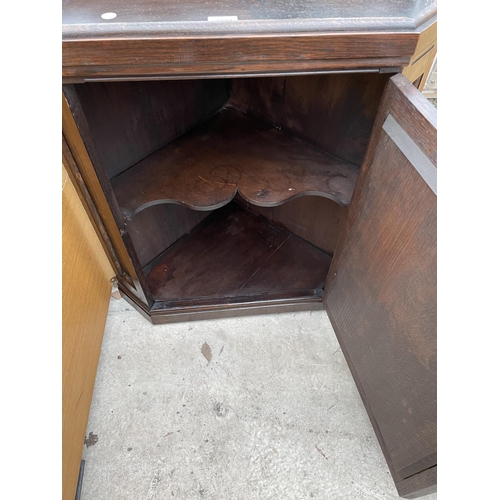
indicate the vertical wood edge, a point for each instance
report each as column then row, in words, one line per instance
column 90, row 178
column 412, row 152
column 84, row 163
column 405, row 90
column 353, row 208
column 82, row 191
column 397, row 87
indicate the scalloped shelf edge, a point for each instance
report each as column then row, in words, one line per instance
column 233, row 153
column 129, row 215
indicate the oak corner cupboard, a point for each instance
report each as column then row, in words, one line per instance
column 240, row 158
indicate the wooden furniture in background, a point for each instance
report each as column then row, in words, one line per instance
column 276, row 162
column 422, row 61
column 430, row 89
column 86, row 291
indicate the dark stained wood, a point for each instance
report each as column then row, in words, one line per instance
column 184, row 55
column 180, row 17
column 205, row 168
column 423, row 483
column 410, row 109
column 130, row 120
column 315, row 219
column 414, row 112
column 251, row 49
column 234, row 70
column 259, row 97
column 335, row 113
column 81, row 143
column 153, row 230
column 86, row 173
column 381, row 289
column 151, row 38
column 225, row 309
column 90, row 208
column 236, row 253
column 251, row 298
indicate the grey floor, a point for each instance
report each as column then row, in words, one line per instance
column 262, row 407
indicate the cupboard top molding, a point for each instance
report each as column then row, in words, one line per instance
column 153, row 39
column 82, row 18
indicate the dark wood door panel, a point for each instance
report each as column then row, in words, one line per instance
column 418, row 485
column 381, row 291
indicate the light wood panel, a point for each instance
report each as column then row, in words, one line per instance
column 86, row 289
column 422, row 60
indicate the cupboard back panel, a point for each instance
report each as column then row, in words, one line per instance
column 313, row 218
column 156, row 228
column 130, row 120
column 334, row 113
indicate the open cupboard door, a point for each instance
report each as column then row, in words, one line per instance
column 381, row 288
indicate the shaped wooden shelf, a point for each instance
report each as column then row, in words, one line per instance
column 237, row 255
column 205, row 168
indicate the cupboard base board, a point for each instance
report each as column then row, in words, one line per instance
column 196, row 313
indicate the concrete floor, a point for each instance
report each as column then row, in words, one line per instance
column 262, row 407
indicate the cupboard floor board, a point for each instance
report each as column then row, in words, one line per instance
column 237, row 253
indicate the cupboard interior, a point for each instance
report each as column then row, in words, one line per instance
column 232, row 190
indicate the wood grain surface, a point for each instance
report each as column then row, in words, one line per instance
column 209, row 71
column 153, row 230
column 232, row 152
column 334, row 113
column 85, row 172
column 180, row 17
column 271, row 303
column 315, row 219
column 235, row 253
column 423, row 483
column 421, row 62
column 130, row 120
column 91, row 169
column 381, row 289
column 211, row 55
column 86, row 289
